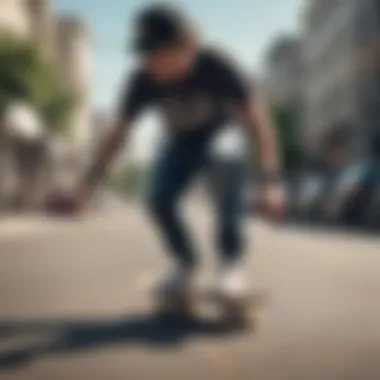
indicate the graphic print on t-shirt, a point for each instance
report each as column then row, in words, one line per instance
column 202, row 102
column 186, row 113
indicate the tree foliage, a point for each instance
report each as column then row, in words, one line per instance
column 288, row 134
column 26, row 75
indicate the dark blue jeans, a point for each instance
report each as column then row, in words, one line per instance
column 177, row 167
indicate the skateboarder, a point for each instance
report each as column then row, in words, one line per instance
column 198, row 91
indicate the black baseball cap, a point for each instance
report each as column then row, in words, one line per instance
column 157, row 27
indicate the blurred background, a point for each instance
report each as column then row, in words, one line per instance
column 316, row 66
column 315, row 63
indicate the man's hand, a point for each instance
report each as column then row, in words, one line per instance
column 255, row 118
column 103, row 159
column 272, row 201
column 83, row 199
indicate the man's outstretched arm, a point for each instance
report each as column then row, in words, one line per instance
column 134, row 97
column 255, row 118
column 104, row 158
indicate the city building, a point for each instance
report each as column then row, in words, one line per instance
column 14, row 16
column 66, row 43
column 284, row 64
column 342, row 81
column 74, row 59
column 41, row 22
column 29, row 18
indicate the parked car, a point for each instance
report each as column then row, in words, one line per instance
column 371, row 215
column 309, row 195
column 353, row 196
column 370, row 191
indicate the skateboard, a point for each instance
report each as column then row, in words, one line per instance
column 209, row 305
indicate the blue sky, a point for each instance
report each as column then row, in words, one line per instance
column 243, row 27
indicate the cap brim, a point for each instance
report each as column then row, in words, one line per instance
column 146, row 47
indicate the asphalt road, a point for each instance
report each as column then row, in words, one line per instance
column 74, row 304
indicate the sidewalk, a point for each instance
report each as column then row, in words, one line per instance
column 16, row 225
column 25, row 225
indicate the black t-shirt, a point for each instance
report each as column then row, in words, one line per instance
column 195, row 106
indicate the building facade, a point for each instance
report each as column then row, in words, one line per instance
column 66, row 43
column 285, row 67
column 29, row 18
column 14, row 16
column 342, row 81
column 74, row 60
column 41, row 23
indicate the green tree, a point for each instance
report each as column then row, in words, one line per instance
column 288, row 134
column 26, row 75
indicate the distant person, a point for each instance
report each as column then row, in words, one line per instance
column 27, row 144
column 199, row 91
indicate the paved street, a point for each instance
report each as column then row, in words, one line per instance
column 74, row 305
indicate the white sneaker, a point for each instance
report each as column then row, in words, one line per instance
column 231, row 281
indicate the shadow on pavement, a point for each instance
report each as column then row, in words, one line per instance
column 56, row 337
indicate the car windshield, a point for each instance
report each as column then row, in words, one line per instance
column 311, row 188
column 351, row 177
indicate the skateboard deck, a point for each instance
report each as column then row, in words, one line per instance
column 208, row 305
